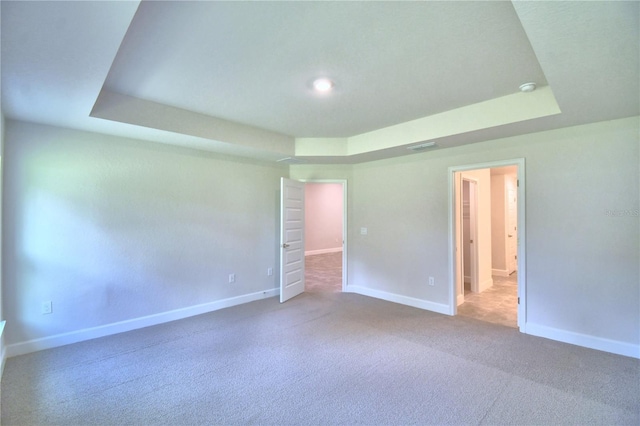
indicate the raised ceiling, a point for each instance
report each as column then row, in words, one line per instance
column 235, row 77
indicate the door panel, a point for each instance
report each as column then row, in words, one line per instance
column 512, row 228
column 291, row 238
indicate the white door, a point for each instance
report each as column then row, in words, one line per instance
column 291, row 239
column 512, row 226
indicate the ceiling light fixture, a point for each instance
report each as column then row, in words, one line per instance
column 322, row 85
column 527, row 87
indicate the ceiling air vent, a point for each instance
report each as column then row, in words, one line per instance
column 291, row 160
column 421, row 146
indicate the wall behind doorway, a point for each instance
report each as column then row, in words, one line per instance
column 323, row 218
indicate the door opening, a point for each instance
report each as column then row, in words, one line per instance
column 469, row 261
column 487, row 242
column 325, row 224
column 324, row 236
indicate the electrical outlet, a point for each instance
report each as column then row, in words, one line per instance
column 46, row 307
column 232, row 278
column 432, row 281
column 364, row 231
column 270, row 271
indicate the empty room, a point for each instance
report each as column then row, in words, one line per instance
column 259, row 212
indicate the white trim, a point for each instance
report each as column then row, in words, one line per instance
column 500, row 272
column 459, row 301
column 398, row 298
column 133, row 324
column 482, row 286
column 323, row 251
column 344, row 223
column 585, row 340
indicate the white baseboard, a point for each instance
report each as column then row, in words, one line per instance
column 398, row 298
column 323, row 251
column 133, row 324
column 587, row 341
column 485, row 285
column 500, row 272
column 459, row 299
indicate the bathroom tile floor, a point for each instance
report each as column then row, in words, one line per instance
column 497, row 304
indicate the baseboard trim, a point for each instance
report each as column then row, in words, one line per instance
column 587, row 341
column 403, row 300
column 323, row 251
column 459, row 299
column 500, row 272
column 485, row 285
column 49, row 342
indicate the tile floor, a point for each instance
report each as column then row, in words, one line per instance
column 497, row 304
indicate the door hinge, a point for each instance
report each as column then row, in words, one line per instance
column 518, row 300
column 518, row 183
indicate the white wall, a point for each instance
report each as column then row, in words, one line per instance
column 323, row 217
column 582, row 263
column 113, row 230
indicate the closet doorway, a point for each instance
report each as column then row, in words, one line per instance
column 487, row 240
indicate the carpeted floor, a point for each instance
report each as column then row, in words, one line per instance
column 323, row 272
column 498, row 304
column 321, row 358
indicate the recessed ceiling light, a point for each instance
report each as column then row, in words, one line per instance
column 528, row 87
column 323, row 85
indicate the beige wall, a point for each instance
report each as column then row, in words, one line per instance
column 582, row 274
column 112, row 230
column 498, row 218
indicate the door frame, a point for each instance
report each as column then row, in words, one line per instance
column 344, row 223
column 521, row 234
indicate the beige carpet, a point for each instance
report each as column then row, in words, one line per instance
column 323, row 272
column 321, row 358
column 498, row 304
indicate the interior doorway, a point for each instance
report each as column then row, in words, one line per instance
column 469, row 254
column 487, row 242
column 325, row 225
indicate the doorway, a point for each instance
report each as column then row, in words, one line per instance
column 469, row 253
column 487, row 278
column 325, row 218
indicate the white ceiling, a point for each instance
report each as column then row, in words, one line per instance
column 234, row 77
